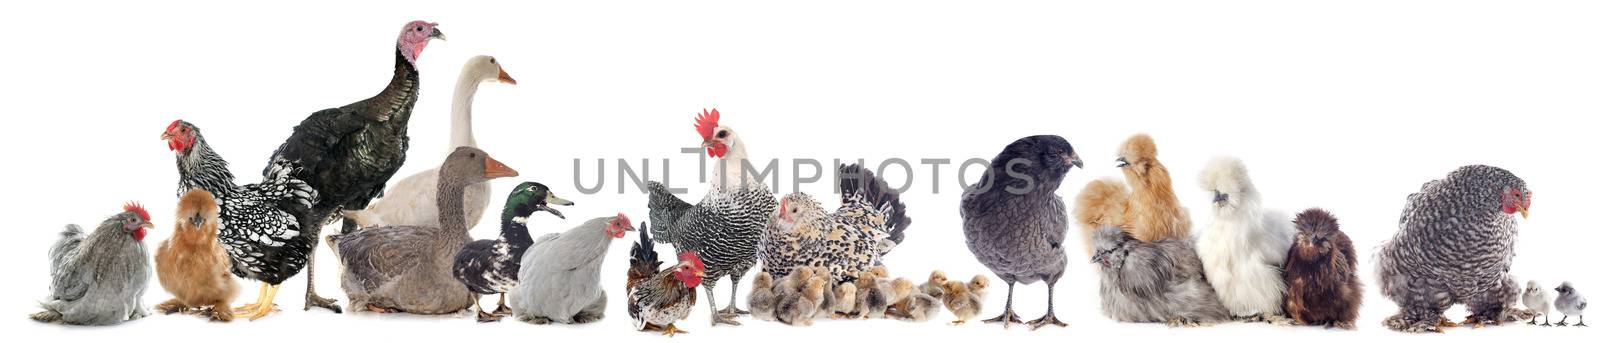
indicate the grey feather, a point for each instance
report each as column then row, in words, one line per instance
column 560, row 275
column 1158, row 282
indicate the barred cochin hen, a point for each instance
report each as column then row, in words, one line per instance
column 256, row 222
column 725, row 227
column 869, row 223
column 1456, row 240
column 348, row 153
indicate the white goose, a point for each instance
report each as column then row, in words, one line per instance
column 411, row 201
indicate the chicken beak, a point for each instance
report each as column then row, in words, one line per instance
column 1075, row 161
column 148, row 225
column 494, row 169
column 699, row 273
column 166, row 136
column 707, row 143
column 506, row 78
column 1122, row 162
column 1218, row 197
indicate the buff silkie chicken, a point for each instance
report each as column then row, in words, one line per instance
column 1456, row 240
column 192, row 265
column 99, row 278
column 869, row 222
column 1244, row 247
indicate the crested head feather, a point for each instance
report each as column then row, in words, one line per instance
column 706, row 123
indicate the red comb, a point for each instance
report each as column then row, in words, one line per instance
column 623, row 219
column 173, row 125
column 693, row 259
column 706, row 123
column 136, row 208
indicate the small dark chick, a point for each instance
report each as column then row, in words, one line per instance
column 1321, row 273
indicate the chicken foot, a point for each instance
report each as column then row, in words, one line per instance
column 733, row 299
column 1008, row 317
column 264, row 306
column 1049, row 317
column 312, row 299
column 717, row 316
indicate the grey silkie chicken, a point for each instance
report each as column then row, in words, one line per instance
column 1155, row 282
column 560, row 275
column 1015, row 223
column 99, row 278
column 1456, row 240
column 1570, row 303
column 1537, row 301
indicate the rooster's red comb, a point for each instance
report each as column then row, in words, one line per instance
column 174, row 125
column 693, row 259
column 706, row 123
column 623, row 220
column 136, row 208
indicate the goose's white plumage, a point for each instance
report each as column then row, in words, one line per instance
column 411, row 201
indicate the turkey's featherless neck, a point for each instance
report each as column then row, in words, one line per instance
column 205, row 169
column 395, row 100
column 461, row 111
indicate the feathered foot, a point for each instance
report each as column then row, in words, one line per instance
column 46, row 316
column 1347, row 325
column 172, row 306
column 1182, row 323
column 1477, row 321
column 219, row 313
column 1277, row 319
column 1398, row 323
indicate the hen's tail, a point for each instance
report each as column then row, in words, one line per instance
column 859, row 184
column 281, row 184
column 642, row 261
column 71, row 238
column 665, row 209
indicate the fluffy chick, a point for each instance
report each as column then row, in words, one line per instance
column 1537, row 301
column 979, row 285
column 872, row 295
column 961, row 302
column 844, row 300
column 1153, row 210
column 1102, row 202
column 935, row 285
column 921, row 308
column 1321, row 273
column 192, row 265
column 763, row 299
column 1570, row 303
column 900, row 292
column 1244, row 247
column 798, row 308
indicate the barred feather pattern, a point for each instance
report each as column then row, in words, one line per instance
column 724, row 228
column 1455, row 246
column 257, row 228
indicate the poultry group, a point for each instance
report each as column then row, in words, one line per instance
column 406, row 247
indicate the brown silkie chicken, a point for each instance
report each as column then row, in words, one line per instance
column 192, row 265
column 1153, row 210
column 1103, row 202
column 961, row 302
column 1321, row 273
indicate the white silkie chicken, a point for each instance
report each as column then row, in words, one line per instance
column 1244, row 247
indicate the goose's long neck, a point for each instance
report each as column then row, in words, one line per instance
column 461, row 112
column 452, row 216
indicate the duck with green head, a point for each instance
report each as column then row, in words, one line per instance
column 489, row 266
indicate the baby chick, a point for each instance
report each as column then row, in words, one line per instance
column 935, row 285
column 1570, row 303
column 921, row 307
column 763, row 300
column 1537, row 301
column 798, row 308
column 979, row 286
column 844, row 301
column 900, row 292
column 789, row 285
column 872, row 295
column 961, row 302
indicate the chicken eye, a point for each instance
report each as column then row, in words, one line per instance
column 419, row 29
column 722, row 134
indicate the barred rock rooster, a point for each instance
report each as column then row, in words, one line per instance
column 99, row 278
column 1456, row 240
column 257, row 226
column 870, row 222
column 658, row 299
column 350, row 152
column 725, row 227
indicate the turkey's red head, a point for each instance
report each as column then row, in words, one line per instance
column 1516, row 200
column 619, row 226
column 713, row 136
column 135, row 220
column 690, row 269
column 179, row 136
column 415, row 36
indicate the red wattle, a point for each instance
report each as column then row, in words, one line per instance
column 138, row 235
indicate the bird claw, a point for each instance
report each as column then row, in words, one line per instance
column 1008, row 318
column 313, row 300
column 1048, row 319
column 671, row 330
column 502, row 310
column 722, row 318
column 1397, row 323
column 485, row 317
column 733, row 311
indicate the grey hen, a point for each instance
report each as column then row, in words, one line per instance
column 1014, row 222
column 1456, row 240
column 99, row 278
column 1155, row 282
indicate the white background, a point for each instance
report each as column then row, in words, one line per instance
column 1348, row 105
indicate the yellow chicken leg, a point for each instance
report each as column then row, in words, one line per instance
column 251, row 308
column 265, row 307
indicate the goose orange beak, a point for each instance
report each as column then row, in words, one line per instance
column 494, row 169
column 506, row 78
